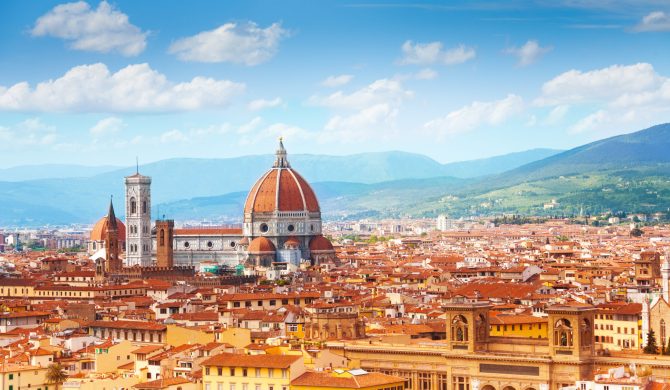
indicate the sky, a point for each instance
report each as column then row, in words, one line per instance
column 99, row 83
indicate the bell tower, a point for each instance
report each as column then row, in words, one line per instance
column 468, row 326
column 112, row 259
column 571, row 331
column 138, row 220
column 164, row 243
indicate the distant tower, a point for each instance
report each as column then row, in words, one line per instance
column 138, row 220
column 164, row 239
column 112, row 259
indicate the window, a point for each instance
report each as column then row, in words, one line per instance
column 220, row 371
column 207, row 386
column 232, row 372
column 144, row 207
column 133, row 206
column 244, row 372
column 284, row 373
column 462, row 383
column 271, row 372
column 206, row 370
column 258, row 373
column 232, row 386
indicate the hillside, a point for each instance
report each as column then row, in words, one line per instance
column 83, row 199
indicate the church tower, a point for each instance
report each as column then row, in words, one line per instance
column 164, row 239
column 112, row 259
column 138, row 220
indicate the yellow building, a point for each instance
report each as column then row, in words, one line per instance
column 352, row 379
column 19, row 377
column 619, row 326
column 229, row 371
column 519, row 325
column 109, row 356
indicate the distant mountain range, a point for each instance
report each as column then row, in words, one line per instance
column 61, row 198
column 629, row 172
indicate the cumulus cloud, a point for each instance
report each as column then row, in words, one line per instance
column 337, row 81
column 173, row 135
column 108, row 125
column 530, row 52
column 475, row 115
column 242, row 43
column 250, row 126
column 590, row 122
column 623, row 96
column 425, row 74
column 360, row 125
column 605, row 84
column 104, row 29
column 380, row 91
column 135, row 88
column 434, row 53
column 261, row 104
column 30, row 132
column 654, row 21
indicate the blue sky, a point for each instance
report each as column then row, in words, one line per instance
column 98, row 83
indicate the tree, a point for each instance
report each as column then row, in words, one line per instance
column 636, row 232
column 651, row 346
column 55, row 374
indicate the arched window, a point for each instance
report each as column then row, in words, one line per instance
column 563, row 333
column 133, row 206
column 585, row 333
column 144, row 206
column 162, row 237
column 459, row 329
column 662, row 332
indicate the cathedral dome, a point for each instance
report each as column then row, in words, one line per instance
column 320, row 243
column 100, row 229
column 261, row 245
column 281, row 189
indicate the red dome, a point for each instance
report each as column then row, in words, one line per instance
column 261, row 245
column 281, row 189
column 320, row 243
column 100, row 229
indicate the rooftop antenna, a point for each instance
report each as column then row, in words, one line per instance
column 137, row 165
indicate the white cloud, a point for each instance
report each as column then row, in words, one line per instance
column 556, row 115
column 242, row 43
column 30, row 132
column 104, row 29
column 337, row 81
column 530, row 52
column 654, row 21
column 261, row 104
column 433, row 53
column 425, row 74
column 476, row 115
column 380, row 91
column 601, row 85
column 108, row 125
column 590, row 122
column 360, row 125
column 173, row 135
column 250, row 126
column 135, row 88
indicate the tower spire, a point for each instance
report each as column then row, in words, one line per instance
column 280, row 156
column 111, row 217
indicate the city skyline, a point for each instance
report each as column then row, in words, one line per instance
column 454, row 82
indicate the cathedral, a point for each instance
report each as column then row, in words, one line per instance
column 281, row 224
